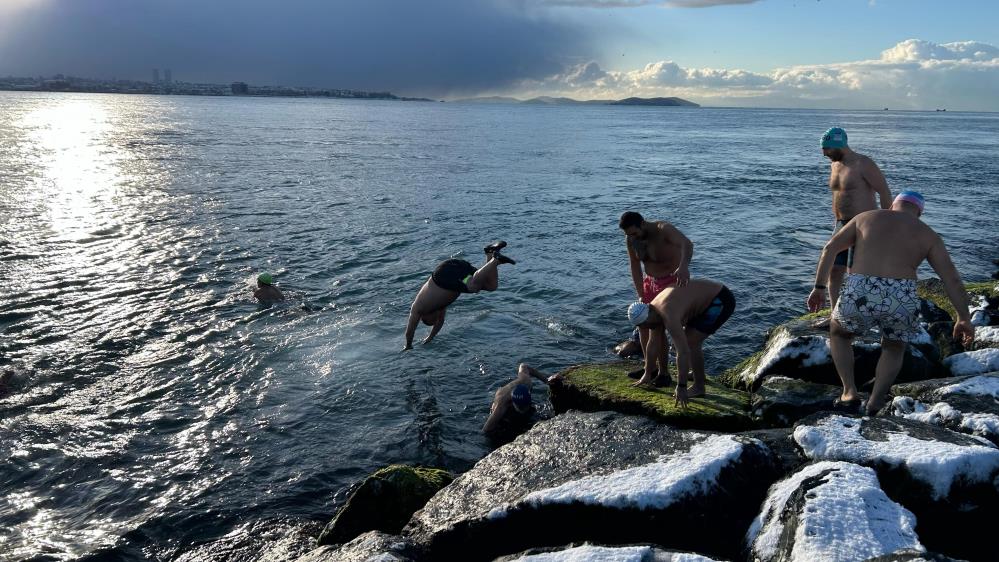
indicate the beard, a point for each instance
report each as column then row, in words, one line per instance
column 836, row 155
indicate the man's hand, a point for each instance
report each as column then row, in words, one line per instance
column 817, row 300
column 426, row 340
column 964, row 332
column 554, row 380
column 682, row 276
column 681, row 396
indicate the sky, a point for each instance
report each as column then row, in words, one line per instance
column 903, row 54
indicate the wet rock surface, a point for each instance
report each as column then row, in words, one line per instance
column 781, row 401
column 603, row 387
column 602, row 477
column 831, row 511
column 384, row 502
column 947, row 479
column 369, row 547
column 798, row 349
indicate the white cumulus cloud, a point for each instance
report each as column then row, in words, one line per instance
column 912, row 74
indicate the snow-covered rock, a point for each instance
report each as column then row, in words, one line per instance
column 602, row 477
column 596, row 553
column 973, row 362
column 781, row 401
column 834, row 512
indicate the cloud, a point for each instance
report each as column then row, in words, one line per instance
column 638, row 3
column 430, row 47
column 912, row 74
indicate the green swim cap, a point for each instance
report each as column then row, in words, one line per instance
column 266, row 278
column 834, row 138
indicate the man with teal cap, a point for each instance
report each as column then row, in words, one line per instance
column 266, row 292
column 854, row 179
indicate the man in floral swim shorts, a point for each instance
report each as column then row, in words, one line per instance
column 880, row 291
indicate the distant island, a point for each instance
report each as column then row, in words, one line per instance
column 61, row 83
column 547, row 100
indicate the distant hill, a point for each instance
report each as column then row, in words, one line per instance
column 548, row 100
column 670, row 102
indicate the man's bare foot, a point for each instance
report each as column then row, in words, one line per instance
column 695, row 391
column 644, row 382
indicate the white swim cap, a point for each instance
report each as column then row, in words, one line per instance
column 638, row 312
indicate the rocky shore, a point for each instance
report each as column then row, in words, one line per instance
column 765, row 468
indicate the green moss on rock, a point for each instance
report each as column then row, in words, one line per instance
column 732, row 377
column 933, row 290
column 598, row 387
column 385, row 501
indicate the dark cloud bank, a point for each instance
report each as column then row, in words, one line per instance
column 424, row 47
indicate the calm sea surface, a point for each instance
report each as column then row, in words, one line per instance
column 150, row 409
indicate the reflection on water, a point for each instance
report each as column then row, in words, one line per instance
column 149, row 406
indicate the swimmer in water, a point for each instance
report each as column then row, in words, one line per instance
column 513, row 400
column 266, row 292
column 449, row 280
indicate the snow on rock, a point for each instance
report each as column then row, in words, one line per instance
column 942, row 414
column 837, row 512
column 988, row 335
column 983, row 385
column 937, row 463
column 594, row 553
column 654, row 485
column 811, row 350
column 973, row 362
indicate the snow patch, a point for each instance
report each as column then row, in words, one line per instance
column 589, row 553
column 936, row 463
column 973, row 362
column 984, row 385
column 813, row 349
column 984, row 425
column 987, row 334
column 655, row 485
column 941, row 413
column 845, row 518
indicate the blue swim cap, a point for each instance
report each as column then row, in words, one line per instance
column 834, row 138
column 521, row 397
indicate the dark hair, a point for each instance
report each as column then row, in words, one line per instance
column 630, row 219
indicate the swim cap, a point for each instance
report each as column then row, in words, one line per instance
column 913, row 197
column 265, row 278
column 638, row 312
column 521, row 397
column 834, row 138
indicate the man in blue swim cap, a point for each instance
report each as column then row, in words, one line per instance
column 514, row 398
column 854, row 179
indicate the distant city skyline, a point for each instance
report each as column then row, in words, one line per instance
column 902, row 54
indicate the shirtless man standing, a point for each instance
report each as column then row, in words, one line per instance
column 448, row 281
column 853, row 179
column 690, row 314
column 664, row 253
column 881, row 289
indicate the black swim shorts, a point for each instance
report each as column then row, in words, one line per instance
column 844, row 258
column 452, row 275
column 716, row 314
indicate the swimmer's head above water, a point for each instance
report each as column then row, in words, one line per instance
column 521, row 398
column 265, row 279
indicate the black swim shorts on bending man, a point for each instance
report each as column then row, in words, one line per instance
column 453, row 275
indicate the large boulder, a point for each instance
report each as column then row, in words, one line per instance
column 973, row 362
column 831, row 511
column 606, row 386
column 602, row 477
column 384, row 502
column 966, row 404
column 781, row 401
column 949, row 480
column 983, row 299
column 598, row 553
column 799, row 350
column 369, row 547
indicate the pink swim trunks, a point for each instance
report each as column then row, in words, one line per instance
column 652, row 286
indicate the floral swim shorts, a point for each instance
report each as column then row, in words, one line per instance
column 889, row 304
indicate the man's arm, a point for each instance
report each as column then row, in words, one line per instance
column 842, row 240
column 636, row 268
column 672, row 235
column 679, row 338
column 414, row 319
column 941, row 263
column 437, row 327
column 496, row 412
column 877, row 181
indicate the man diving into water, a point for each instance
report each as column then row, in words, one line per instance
column 664, row 253
column 451, row 279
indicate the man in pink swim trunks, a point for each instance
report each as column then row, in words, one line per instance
column 659, row 255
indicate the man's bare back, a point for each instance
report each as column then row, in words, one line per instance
column 683, row 303
column 891, row 244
